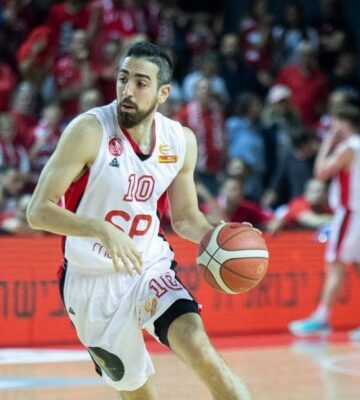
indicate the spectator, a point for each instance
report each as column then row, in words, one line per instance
column 74, row 74
column 199, row 38
column 309, row 86
column 15, row 222
column 290, row 33
column 45, row 136
column 23, row 111
column 337, row 98
column 117, row 20
column 11, row 190
column 8, row 81
column 280, row 115
column 295, row 170
column 209, row 69
column 334, row 33
column 205, row 116
column 89, row 99
column 246, row 141
column 255, row 35
column 231, row 205
column 17, row 19
column 66, row 17
column 36, row 55
column 310, row 210
column 344, row 75
column 11, row 155
column 238, row 76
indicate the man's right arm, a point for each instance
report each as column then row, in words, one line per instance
column 76, row 151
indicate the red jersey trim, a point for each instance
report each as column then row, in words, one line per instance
column 135, row 146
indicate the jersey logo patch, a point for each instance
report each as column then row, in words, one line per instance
column 168, row 159
column 114, row 163
column 116, row 146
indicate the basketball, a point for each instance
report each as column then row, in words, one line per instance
column 233, row 258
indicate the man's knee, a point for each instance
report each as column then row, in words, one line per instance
column 187, row 338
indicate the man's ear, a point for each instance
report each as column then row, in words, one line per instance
column 164, row 93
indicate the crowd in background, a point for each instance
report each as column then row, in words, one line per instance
column 259, row 99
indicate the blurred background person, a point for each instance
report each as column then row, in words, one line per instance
column 11, row 154
column 309, row 211
column 290, row 32
column 246, row 141
column 294, row 171
column 338, row 159
column 205, row 116
column 308, row 84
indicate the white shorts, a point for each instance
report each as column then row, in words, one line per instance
column 344, row 239
column 109, row 311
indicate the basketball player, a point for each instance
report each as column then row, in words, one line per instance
column 339, row 159
column 110, row 168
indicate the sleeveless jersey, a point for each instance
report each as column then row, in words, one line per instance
column 344, row 190
column 124, row 188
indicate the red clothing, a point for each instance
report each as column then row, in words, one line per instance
column 40, row 33
column 63, row 23
column 68, row 75
column 250, row 36
column 307, row 91
column 249, row 211
column 13, row 156
column 23, row 125
column 8, row 82
column 299, row 205
column 208, row 126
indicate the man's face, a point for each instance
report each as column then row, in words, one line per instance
column 137, row 91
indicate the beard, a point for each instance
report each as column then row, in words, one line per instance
column 128, row 120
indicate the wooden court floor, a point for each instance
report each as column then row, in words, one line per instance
column 296, row 371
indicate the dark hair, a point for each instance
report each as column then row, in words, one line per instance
column 302, row 136
column 350, row 113
column 154, row 54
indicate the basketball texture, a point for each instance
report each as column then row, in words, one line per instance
column 233, row 258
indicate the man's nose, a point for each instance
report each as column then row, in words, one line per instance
column 128, row 89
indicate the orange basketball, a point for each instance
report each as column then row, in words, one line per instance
column 233, row 258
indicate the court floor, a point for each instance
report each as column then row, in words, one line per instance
column 281, row 369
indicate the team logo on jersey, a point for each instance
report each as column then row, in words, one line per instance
column 116, row 146
column 164, row 148
column 165, row 156
column 150, row 306
column 114, row 163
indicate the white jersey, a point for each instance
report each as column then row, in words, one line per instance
column 344, row 190
column 123, row 187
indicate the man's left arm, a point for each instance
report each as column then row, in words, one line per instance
column 186, row 218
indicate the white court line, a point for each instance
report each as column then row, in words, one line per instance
column 346, row 364
column 31, row 356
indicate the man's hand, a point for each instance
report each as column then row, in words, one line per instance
column 121, row 249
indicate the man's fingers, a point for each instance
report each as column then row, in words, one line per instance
column 115, row 261
column 137, row 263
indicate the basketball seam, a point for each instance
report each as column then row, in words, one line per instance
column 237, row 274
column 235, row 234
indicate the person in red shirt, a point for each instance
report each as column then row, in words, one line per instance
column 67, row 16
column 231, row 206
column 74, row 74
column 310, row 210
column 309, row 86
column 11, row 155
column 8, row 80
column 36, row 55
column 205, row 116
column 23, row 110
